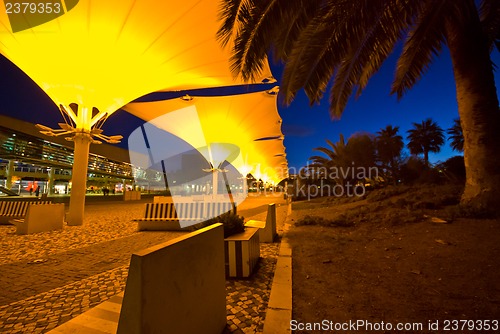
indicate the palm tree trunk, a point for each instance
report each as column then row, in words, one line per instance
column 478, row 108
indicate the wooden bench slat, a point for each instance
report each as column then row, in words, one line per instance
column 17, row 209
column 185, row 211
column 167, row 219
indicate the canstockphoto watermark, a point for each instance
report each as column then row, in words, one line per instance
column 451, row 325
column 339, row 181
column 355, row 325
column 347, row 172
column 173, row 153
column 26, row 14
column 338, row 190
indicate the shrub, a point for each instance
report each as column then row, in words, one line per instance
column 233, row 224
column 311, row 220
column 315, row 220
column 386, row 193
column 453, row 169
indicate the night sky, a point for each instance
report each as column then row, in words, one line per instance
column 304, row 127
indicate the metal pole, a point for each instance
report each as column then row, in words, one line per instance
column 215, row 182
column 10, row 173
column 51, row 185
column 79, row 179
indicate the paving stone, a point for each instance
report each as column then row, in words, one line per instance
column 86, row 265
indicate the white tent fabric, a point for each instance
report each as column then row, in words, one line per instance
column 104, row 54
column 93, row 57
column 242, row 121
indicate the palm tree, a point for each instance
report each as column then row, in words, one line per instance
column 389, row 146
column 424, row 138
column 361, row 151
column 336, row 157
column 456, row 136
column 349, row 160
column 348, row 41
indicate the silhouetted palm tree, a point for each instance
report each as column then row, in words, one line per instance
column 349, row 160
column 424, row 138
column 336, row 156
column 349, row 40
column 456, row 136
column 389, row 146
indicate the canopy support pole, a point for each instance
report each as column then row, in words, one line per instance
column 82, row 142
column 215, row 182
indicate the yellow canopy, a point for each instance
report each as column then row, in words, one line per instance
column 106, row 53
column 249, row 122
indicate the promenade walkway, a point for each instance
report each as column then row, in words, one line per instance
column 49, row 278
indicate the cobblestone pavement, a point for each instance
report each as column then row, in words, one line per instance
column 48, row 278
column 246, row 300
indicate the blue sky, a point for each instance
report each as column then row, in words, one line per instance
column 432, row 97
column 304, row 127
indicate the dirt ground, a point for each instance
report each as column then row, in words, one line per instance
column 383, row 259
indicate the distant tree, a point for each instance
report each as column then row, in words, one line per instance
column 412, row 169
column 456, row 136
column 361, row 150
column 453, row 169
column 361, row 153
column 389, row 146
column 424, row 138
column 336, row 156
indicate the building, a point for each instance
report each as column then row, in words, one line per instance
column 29, row 159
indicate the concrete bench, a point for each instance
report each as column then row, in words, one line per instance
column 179, row 216
column 15, row 209
column 214, row 209
column 41, row 218
column 163, row 199
column 132, row 195
column 267, row 229
column 174, row 287
column 168, row 216
column 192, row 198
column 242, row 252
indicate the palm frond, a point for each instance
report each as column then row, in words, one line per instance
column 372, row 40
column 456, row 136
column 398, row 15
column 332, row 144
column 329, row 153
column 389, row 132
column 233, row 14
column 286, row 38
column 318, row 160
column 375, row 32
column 311, row 61
column 424, row 41
column 319, row 49
column 258, row 34
column 489, row 12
